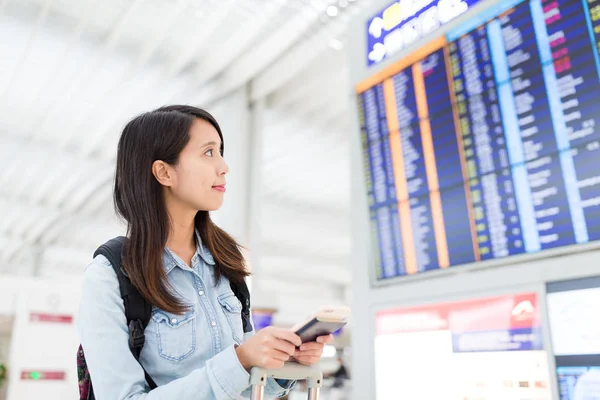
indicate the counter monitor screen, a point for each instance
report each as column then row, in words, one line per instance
column 489, row 348
column 575, row 329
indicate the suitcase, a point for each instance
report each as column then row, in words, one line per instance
column 291, row 371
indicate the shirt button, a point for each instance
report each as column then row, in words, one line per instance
column 174, row 321
column 200, row 292
column 213, row 323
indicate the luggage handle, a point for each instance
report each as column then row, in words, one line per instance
column 290, row 371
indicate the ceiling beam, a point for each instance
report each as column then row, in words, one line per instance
column 27, row 49
column 240, row 39
column 298, row 58
column 70, row 45
column 328, row 62
column 262, row 54
column 78, row 83
column 201, row 38
column 152, row 44
column 3, row 4
column 171, row 72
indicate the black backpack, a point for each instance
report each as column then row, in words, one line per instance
column 138, row 312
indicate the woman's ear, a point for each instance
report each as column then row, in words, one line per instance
column 163, row 173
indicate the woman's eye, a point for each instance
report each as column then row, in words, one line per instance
column 209, row 153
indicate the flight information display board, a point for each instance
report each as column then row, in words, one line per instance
column 575, row 329
column 485, row 142
column 489, row 348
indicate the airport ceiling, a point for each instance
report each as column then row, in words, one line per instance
column 72, row 72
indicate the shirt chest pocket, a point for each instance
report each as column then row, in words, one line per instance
column 176, row 334
column 232, row 308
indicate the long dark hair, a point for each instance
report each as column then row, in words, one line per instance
column 161, row 135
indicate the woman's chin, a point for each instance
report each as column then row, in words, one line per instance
column 210, row 207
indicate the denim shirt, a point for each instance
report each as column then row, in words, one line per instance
column 189, row 356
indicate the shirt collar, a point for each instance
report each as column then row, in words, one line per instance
column 203, row 251
column 170, row 258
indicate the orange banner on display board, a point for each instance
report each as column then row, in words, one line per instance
column 431, row 168
column 410, row 257
column 402, row 64
column 461, row 151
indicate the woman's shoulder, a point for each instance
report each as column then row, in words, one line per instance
column 100, row 272
column 100, row 290
column 100, row 297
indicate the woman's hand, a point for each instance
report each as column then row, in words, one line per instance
column 310, row 353
column 269, row 348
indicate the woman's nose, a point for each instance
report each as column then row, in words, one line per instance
column 224, row 168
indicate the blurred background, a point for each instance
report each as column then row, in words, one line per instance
column 72, row 73
column 432, row 164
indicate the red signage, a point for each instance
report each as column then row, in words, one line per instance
column 501, row 312
column 52, row 318
column 43, row 375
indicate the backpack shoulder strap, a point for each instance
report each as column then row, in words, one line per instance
column 136, row 307
column 137, row 310
column 240, row 289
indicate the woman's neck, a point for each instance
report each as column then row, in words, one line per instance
column 181, row 238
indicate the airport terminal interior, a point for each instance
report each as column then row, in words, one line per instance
column 434, row 165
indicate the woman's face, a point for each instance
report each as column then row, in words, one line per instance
column 199, row 176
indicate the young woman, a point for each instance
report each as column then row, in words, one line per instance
column 170, row 173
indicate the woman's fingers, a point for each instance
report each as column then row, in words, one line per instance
column 327, row 339
column 285, row 334
column 308, row 360
column 312, row 346
column 311, row 352
column 279, row 355
column 283, row 346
